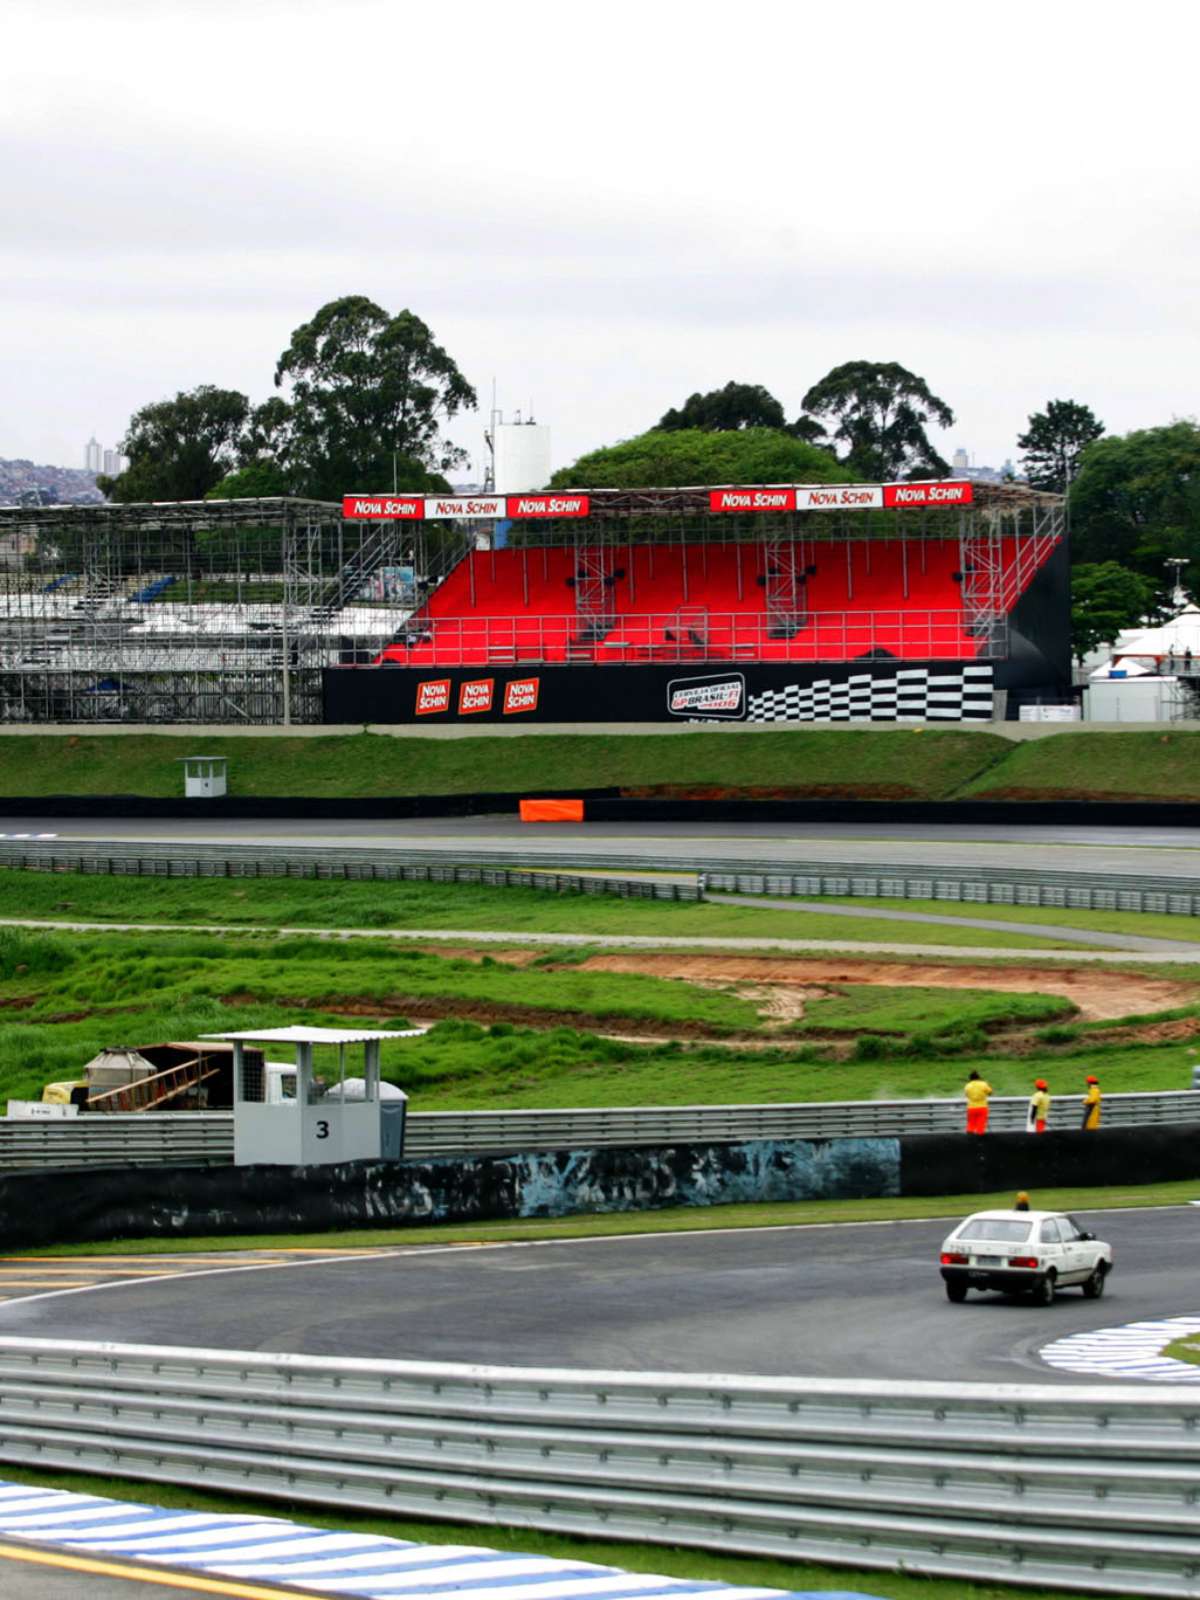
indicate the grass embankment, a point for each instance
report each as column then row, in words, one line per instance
column 665, row 1560
column 270, row 903
column 886, row 764
column 1094, row 766
column 536, row 1041
column 863, row 763
column 1185, row 1349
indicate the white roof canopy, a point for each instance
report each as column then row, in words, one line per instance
column 297, row 1033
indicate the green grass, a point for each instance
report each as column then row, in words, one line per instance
column 1146, row 924
column 1096, row 766
column 666, row 1560
column 675, row 1219
column 894, row 762
column 326, row 903
column 876, row 763
column 860, row 1006
column 1185, row 1349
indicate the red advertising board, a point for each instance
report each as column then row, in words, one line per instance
column 433, row 696
column 927, row 494
column 548, row 505
column 475, row 695
column 520, row 694
column 750, row 499
column 381, row 507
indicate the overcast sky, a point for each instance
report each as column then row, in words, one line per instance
column 602, row 207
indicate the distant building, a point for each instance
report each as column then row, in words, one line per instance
column 112, row 463
column 92, row 456
column 960, row 464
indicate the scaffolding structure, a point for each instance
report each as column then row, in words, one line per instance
column 200, row 612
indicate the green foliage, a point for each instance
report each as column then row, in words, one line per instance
column 258, row 480
column 367, row 387
column 737, row 405
column 879, row 411
column 1105, row 598
column 665, row 459
column 1136, row 499
column 179, row 448
column 1054, row 443
column 934, row 1011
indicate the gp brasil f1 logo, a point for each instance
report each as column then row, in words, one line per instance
column 716, row 696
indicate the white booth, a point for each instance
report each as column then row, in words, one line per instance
column 335, row 1115
column 204, row 776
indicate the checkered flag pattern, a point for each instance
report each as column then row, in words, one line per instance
column 912, row 692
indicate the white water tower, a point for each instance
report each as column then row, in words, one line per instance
column 522, row 456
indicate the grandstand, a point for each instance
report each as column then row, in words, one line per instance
column 871, row 601
column 778, row 603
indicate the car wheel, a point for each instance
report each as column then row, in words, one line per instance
column 1093, row 1284
column 1043, row 1294
column 957, row 1292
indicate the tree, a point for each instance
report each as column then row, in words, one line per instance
column 179, row 448
column 737, row 405
column 881, row 411
column 1054, row 442
column 366, row 387
column 1105, row 598
column 668, row 459
column 1136, row 500
column 257, row 480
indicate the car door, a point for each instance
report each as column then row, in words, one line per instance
column 1051, row 1248
column 1078, row 1253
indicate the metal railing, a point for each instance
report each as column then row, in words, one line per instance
column 1089, row 1487
column 191, row 1138
column 626, row 640
column 672, row 877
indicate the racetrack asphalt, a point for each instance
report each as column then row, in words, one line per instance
column 846, row 1301
column 685, row 845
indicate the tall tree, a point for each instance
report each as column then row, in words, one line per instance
column 879, row 411
column 1105, row 598
column 179, row 448
column 737, row 405
column 1136, row 500
column 1055, row 441
column 367, row 388
column 664, row 459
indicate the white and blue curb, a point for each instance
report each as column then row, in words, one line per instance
column 319, row 1560
column 1132, row 1351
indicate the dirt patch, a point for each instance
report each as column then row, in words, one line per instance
column 425, row 1009
column 1098, row 993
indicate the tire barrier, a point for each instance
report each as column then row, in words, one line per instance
column 1087, row 1488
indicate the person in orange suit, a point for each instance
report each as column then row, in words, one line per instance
column 977, row 1093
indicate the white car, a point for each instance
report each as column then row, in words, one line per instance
column 1024, row 1252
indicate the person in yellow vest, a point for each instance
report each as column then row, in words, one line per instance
column 977, row 1092
column 1091, row 1104
column 1039, row 1108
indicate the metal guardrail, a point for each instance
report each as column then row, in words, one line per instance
column 1064, row 1487
column 437, row 1133
column 676, row 877
column 192, row 1138
column 117, row 1139
column 121, row 858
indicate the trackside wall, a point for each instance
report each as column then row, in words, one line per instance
column 122, row 1202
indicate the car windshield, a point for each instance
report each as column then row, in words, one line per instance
column 999, row 1229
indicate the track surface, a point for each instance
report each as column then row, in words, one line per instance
column 859, row 1301
column 685, row 844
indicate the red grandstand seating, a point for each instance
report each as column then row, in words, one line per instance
column 703, row 601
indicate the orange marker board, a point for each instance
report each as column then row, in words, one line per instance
column 551, row 810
